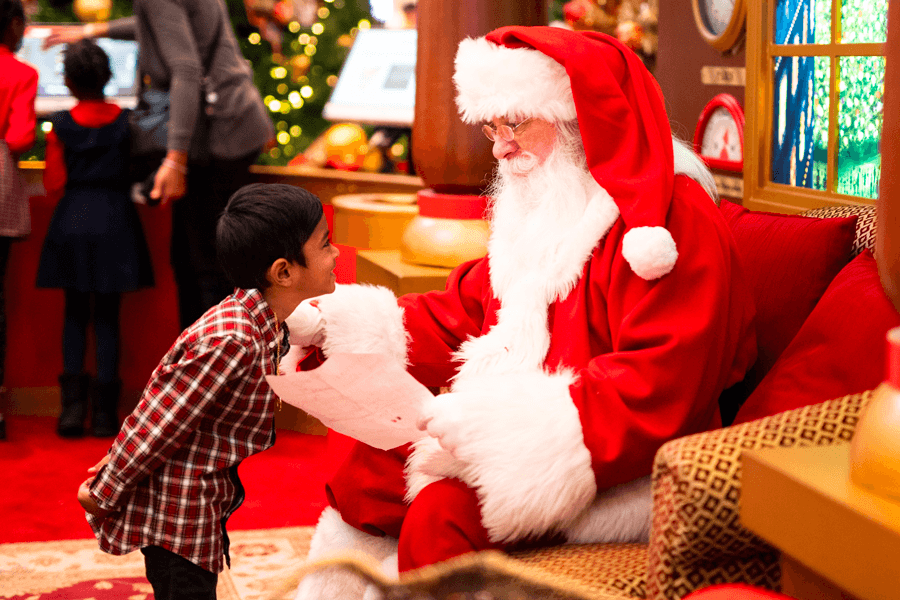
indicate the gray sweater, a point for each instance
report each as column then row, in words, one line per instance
column 177, row 39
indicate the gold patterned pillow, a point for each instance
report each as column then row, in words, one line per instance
column 697, row 539
column 865, row 223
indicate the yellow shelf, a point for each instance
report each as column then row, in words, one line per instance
column 387, row 268
column 802, row 501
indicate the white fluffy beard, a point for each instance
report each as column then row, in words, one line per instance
column 535, row 206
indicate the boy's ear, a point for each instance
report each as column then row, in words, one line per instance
column 279, row 273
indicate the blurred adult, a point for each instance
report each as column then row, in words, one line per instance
column 607, row 318
column 177, row 39
column 18, row 89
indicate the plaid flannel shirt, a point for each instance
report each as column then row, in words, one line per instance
column 171, row 480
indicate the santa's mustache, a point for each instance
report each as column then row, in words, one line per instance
column 520, row 164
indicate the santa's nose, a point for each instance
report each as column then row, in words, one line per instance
column 503, row 149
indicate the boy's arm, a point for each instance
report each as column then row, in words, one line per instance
column 176, row 399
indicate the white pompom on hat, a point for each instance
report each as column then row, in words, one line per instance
column 560, row 75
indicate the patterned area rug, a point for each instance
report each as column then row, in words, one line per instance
column 263, row 563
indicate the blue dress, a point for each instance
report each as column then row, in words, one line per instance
column 95, row 242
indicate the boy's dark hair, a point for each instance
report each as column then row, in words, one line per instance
column 262, row 223
column 86, row 66
column 9, row 10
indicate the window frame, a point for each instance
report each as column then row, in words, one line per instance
column 760, row 192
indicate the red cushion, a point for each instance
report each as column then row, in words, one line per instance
column 789, row 261
column 735, row 591
column 840, row 350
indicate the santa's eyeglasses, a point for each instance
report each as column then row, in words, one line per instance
column 504, row 132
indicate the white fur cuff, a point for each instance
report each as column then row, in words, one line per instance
column 363, row 319
column 524, row 452
column 334, row 536
column 621, row 514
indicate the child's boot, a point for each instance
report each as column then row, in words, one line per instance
column 73, row 397
column 105, row 408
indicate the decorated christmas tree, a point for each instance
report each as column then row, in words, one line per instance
column 297, row 48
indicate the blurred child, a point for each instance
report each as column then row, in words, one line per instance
column 170, row 480
column 18, row 89
column 95, row 247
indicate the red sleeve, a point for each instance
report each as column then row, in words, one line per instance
column 677, row 343
column 438, row 322
column 22, row 119
column 55, row 168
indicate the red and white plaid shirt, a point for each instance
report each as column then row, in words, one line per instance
column 172, row 475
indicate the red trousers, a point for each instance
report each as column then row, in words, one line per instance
column 442, row 522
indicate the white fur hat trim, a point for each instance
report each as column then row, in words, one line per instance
column 650, row 251
column 496, row 81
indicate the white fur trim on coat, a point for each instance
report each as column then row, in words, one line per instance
column 650, row 251
column 620, row 514
column 427, row 463
column 495, row 81
column 519, row 438
column 333, row 536
column 363, row 319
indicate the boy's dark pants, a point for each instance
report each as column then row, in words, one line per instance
column 174, row 576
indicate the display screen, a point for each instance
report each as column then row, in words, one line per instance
column 53, row 95
column 377, row 84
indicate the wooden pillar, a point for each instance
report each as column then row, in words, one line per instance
column 450, row 156
column 888, row 205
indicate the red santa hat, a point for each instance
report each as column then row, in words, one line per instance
column 560, row 75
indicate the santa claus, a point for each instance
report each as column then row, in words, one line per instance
column 607, row 318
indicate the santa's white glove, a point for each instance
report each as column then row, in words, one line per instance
column 306, row 324
column 290, row 360
column 443, row 418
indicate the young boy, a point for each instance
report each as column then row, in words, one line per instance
column 170, row 481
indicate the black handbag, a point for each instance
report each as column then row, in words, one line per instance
column 148, row 124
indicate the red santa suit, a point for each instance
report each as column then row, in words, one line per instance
column 569, row 366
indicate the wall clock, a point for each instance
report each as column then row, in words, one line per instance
column 719, row 137
column 721, row 22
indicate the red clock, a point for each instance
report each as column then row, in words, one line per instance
column 719, row 137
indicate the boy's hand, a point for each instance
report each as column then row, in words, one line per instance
column 84, row 494
column 96, row 468
column 84, row 498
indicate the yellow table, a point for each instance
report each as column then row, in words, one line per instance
column 837, row 540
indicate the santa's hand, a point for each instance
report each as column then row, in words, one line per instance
column 306, row 325
column 438, row 462
column 290, row 360
column 442, row 418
